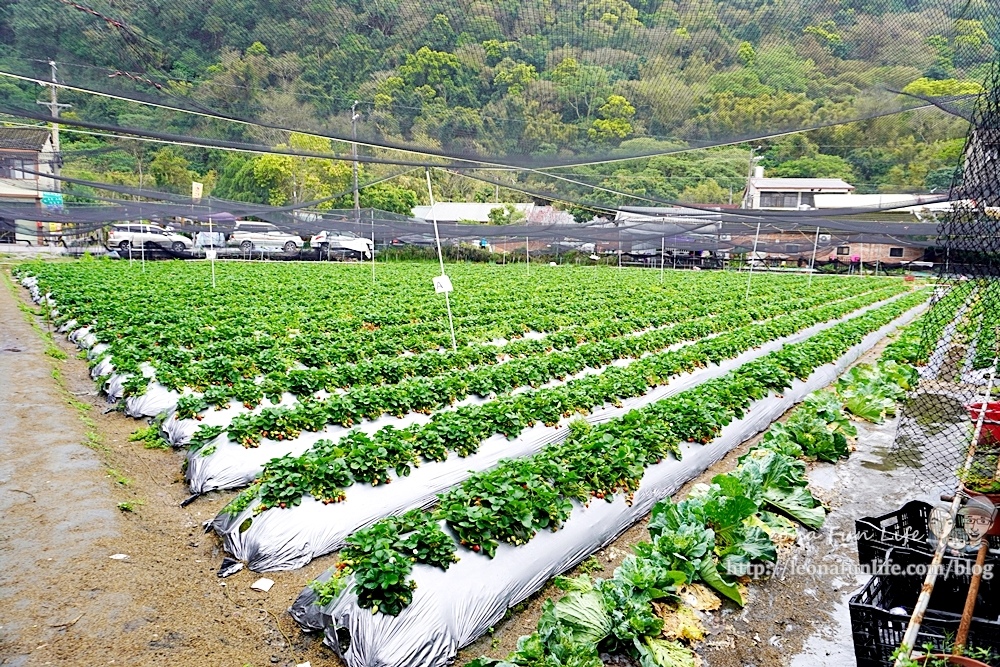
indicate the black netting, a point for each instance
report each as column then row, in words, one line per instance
column 532, row 84
column 940, row 424
column 599, row 108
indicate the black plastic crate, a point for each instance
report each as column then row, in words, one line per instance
column 907, row 527
column 878, row 632
column 952, row 584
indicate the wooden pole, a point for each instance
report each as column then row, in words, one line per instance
column 970, row 599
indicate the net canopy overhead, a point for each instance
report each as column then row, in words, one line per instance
column 532, row 84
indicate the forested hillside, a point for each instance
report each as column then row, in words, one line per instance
column 518, row 82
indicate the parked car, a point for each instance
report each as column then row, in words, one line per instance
column 248, row 235
column 126, row 235
column 343, row 243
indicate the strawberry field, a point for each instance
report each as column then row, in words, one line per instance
column 574, row 400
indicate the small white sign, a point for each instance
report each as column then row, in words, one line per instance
column 263, row 584
column 210, row 253
column 197, row 189
column 442, row 284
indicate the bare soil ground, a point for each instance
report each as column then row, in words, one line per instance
column 65, row 466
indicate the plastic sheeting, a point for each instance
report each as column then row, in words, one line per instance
column 156, row 400
column 450, row 609
column 290, row 538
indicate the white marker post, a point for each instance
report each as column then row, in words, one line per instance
column 812, row 262
column 442, row 284
column 210, row 253
column 663, row 256
column 753, row 258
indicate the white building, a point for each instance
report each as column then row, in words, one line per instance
column 23, row 151
column 454, row 211
column 790, row 194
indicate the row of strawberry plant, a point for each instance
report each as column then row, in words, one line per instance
column 710, row 537
column 512, row 502
column 487, row 379
column 915, row 344
column 327, row 468
column 256, row 324
column 608, row 341
column 986, row 337
column 235, row 360
column 426, row 394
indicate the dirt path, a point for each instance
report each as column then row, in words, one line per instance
column 43, row 471
column 63, row 599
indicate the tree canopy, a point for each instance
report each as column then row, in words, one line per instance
column 540, row 79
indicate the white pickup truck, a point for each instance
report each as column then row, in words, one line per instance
column 343, row 244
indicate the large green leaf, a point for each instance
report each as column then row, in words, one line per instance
column 709, row 572
column 797, row 503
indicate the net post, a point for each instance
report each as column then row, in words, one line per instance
column 753, row 257
column 437, row 239
column 812, row 262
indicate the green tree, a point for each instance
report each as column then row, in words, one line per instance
column 972, row 43
column 816, row 166
column 705, row 192
column 508, row 214
column 512, row 77
column 827, row 35
column 294, row 180
column 615, row 121
column 944, row 63
column 237, row 180
column 615, row 13
column 171, row 171
column 944, row 87
column 746, row 54
column 388, row 197
column 581, row 88
column 443, row 73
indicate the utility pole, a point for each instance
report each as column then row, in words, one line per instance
column 54, row 107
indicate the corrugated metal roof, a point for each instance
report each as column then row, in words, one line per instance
column 800, row 184
column 23, row 138
column 474, row 211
